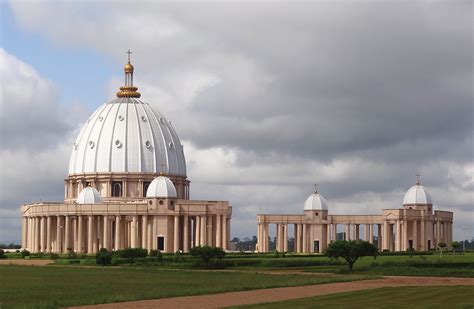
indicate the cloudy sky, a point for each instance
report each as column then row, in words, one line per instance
column 267, row 97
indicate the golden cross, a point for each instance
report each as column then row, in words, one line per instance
column 418, row 178
column 316, row 187
column 129, row 52
column 162, row 164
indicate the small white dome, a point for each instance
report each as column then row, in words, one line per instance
column 417, row 195
column 315, row 202
column 89, row 195
column 161, row 187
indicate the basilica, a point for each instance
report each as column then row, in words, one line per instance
column 126, row 187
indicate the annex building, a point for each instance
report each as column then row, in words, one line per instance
column 126, row 187
column 416, row 225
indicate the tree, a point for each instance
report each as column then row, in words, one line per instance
column 455, row 245
column 207, row 254
column 351, row 251
column 441, row 246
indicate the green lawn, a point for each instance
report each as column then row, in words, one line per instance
column 431, row 265
column 56, row 286
column 406, row 297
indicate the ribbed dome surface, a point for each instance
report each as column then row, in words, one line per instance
column 315, row 202
column 89, row 195
column 417, row 195
column 127, row 135
column 161, row 187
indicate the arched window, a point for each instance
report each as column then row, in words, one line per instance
column 116, row 188
column 145, row 187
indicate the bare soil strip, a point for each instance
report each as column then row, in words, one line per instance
column 280, row 294
column 27, row 262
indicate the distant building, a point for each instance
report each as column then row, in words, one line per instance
column 416, row 225
column 127, row 187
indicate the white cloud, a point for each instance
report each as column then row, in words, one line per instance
column 269, row 99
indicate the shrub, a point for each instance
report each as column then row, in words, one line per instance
column 131, row 253
column 24, row 253
column 207, row 255
column 157, row 254
column 177, row 257
column 2, row 254
column 54, row 256
column 103, row 257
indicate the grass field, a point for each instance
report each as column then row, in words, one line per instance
column 406, row 297
column 57, row 286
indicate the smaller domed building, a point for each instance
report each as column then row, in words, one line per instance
column 416, row 225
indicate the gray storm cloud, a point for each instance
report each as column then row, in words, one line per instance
column 269, row 98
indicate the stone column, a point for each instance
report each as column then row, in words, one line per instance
column 285, row 238
column 219, row 231
column 67, row 233
column 354, row 234
column 415, row 235
column 144, row 231
column 176, row 235
column 134, row 232
column 385, row 243
column 118, row 232
column 357, row 231
column 305, row 239
column 300, row 238
column 423, row 234
column 366, row 232
column 80, row 238
column 380, row 236
column 397, row 236
column 265, row 238
column 405, row 236
column 438, row 232
column 186, row 234
column 42, row 236
column 328, row 234
column 48, row 234
column 89, row 234
column 203, row 230
column 198, row 231
column 334, row 231
column 59, row 236
column 24, row 224
column 347, row 236
column 371, row 234
column 227, row 233
column 106, row 233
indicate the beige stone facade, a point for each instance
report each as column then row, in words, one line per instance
column 167, row 225
column 413, row 226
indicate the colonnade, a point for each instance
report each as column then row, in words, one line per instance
column 89, row 233
column 421, row 235
column 391, row 235
column 323, row 233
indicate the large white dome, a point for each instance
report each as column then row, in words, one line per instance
column 127, row 135
column 417, row 195
column 315, row 202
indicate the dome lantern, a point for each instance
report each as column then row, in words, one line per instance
column 128, row 91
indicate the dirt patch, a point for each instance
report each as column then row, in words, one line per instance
column 281, row 294
column 25, row 262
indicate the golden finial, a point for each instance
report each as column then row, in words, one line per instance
column 128, row 91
